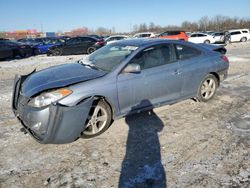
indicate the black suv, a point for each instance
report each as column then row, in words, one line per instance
column 76, row 45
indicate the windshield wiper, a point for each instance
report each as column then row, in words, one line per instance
column 93, row 66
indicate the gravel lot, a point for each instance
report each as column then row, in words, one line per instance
column 188, row 144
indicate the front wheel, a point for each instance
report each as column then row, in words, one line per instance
column 98, row 120
column 207, row 41
column 207, row 88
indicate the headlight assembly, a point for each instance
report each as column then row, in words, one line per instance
column 46, row 98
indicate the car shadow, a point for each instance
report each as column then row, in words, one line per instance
column 142, row 167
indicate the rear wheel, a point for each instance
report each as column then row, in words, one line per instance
column 207, row 88
column 57, row 52
column 243, row 39
column 98, row 120
column 91, row 50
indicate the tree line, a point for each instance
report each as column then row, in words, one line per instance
column 216, row 23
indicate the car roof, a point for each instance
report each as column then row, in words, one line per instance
column 144, row 33
column 199, row 33
column 118, row 36
column 144, row 41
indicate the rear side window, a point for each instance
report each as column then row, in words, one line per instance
column 236, row 33
column 186, row 52
column 201, row 35
column 88, row 39
column 244, row 31
column 145, row 35
column 194, row 35
column 169, row 33
column 218, row 34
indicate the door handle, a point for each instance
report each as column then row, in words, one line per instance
column 177, row 72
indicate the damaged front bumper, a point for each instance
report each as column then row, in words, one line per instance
column 54, row 124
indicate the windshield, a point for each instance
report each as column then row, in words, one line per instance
column 109, row 57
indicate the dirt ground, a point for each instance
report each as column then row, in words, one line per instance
column 188, row 144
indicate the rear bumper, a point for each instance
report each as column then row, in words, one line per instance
column 54, row 124
column 223, row 74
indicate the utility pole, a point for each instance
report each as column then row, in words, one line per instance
column 41, row 27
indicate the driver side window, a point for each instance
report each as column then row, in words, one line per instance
column 73, row 41
column 154, row 56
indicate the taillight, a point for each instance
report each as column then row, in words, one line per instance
column 100, row 42
column 225, row 58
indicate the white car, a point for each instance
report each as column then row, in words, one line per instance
column 219, row 36
column 144, row 35
column 115, row 38
column 239, row 35
column 201, row 38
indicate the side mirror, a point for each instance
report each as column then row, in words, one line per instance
column 132, row 68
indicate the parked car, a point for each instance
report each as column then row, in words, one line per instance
column 18, row 48
column 179, row 35
column 5, row 51
column 144, row 35
column 62, row 103
column 41, row 45
column 76, row 45
column 201, row 38
column 222, row 37
column 239, row 35
column 115, row 38
column 218, row 36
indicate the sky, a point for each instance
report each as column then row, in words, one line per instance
column 64, row 15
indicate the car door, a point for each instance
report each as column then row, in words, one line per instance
column 192, row 69
column 86, row 42
column 193, row 38
column 159, row 80
column 235, row 36
column 201, row 38
column 217, row 37
column 72, row 46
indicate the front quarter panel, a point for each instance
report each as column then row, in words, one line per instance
column 101, row 87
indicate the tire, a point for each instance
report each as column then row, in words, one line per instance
column 207, row 88
column 57, row 52
column 91, row 50
column 243, row 39
column 96, row 125
column 207, row 41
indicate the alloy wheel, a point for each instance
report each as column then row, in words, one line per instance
column 96, row 122
column 208, row 88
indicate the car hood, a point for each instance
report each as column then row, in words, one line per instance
column 58, row 76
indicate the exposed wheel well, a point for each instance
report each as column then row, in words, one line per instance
column 216, row 76
column 98, row 98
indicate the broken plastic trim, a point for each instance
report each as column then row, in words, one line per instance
column 65, row 123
